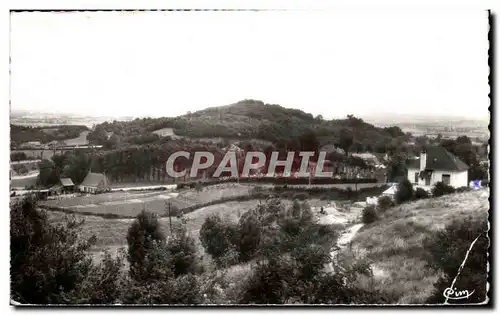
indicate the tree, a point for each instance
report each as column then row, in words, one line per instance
column 217, row 237
column 346, row 140
column 181, row 251
column 384, row 203
column 369, row 214
column 144, row 239
column 249, row 231
column 48, row 175
column 50, row 263
column 405, row 191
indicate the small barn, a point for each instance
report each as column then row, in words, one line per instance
column 94, row 183
column 67, row 184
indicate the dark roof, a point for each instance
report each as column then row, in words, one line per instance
column 438, row 158
column 66, row 182
column 93, row 179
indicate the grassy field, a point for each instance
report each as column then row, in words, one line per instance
column 129, row 204
column 112, row 233
column 394, row 243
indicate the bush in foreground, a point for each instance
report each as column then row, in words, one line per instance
column 143, row 238
column 369, row 214
column 441, row 189
column 421, row 193
column 404, row 192
column 218, row 237
column 384, row 203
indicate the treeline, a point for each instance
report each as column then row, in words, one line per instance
column 148, row 162
column 21, row 134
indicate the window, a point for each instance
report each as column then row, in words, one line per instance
column 416, row 177
column 446, row 179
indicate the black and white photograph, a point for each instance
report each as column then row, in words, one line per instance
column 250, row 157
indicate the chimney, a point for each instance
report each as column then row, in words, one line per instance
column 423, row 159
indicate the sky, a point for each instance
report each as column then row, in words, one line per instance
column 323, row 62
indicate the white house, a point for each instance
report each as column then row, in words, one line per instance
column 436, row 164
column 94, row 183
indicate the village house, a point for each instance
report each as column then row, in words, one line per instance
column 436, row 164
column 94, row 183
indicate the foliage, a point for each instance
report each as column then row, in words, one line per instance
column 218, row 237
column 448, row 249
column 18, row 156
column 181, row 251
column 250, row 233
column 369, row 214
column 20, row 134
column 441, row 189
column 421, row 193
column 384, row 203
column 50, row 264
column 144, row 240
column 404, row 191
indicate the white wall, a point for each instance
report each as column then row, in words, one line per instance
column 411, row 175
column 457, row 179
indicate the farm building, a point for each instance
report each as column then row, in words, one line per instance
column 436, row 164
column 94, row 183
column 67, row 185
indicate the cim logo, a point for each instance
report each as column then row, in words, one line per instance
column 454, row 294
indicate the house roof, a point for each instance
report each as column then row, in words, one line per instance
column 438, row 158
column 93, row 180
column 67, row 182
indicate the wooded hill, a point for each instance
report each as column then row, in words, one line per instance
column 250, row 119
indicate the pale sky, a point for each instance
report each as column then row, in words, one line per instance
column 168, row 63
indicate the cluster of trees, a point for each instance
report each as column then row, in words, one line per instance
column 20, row 134
column 51, row 263
column 18, row 156
column 290, row 252
column 74, row 165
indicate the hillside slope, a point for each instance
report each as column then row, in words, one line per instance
column 393, row 244
column 251, row 119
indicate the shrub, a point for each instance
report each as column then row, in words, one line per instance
column 384, row 203
column 249, row 230
column 181, row 250
column 217, row 237
column 369, row 214
column 181, row 290
column 447, row 250
column 441, row 189
column 143, row 238
column 404, row 192
column 421, row 193
column 462, row 189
